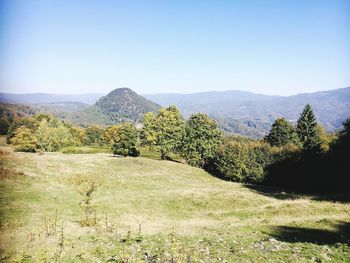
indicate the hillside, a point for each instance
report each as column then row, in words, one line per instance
column 256, row 112
column 157, row 208
column 120, row 105
column 125, row 105
column 239, row 112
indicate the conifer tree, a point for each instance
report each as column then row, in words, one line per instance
column 282, row 133
column 306, row 128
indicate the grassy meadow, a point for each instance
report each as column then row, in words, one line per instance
column 58, row 207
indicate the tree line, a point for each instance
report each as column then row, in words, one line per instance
column 301, row 157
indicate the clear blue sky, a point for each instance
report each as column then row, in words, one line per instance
column 270, row 47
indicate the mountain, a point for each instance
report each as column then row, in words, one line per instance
column 120, row 105
column 254, row 113
column 240, row 112
column 38, row 98
column 125, row 104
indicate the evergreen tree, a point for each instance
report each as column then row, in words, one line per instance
column 201, row 139
column 306, row 128
column 282, row 133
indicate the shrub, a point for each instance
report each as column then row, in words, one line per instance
column 243, row 160
column 52, row 135
column 24, row 140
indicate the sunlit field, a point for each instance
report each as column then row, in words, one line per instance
column 59, row 207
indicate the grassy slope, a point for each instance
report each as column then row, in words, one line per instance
column 177, row 211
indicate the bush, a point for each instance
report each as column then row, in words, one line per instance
column 243, row 160
column 52, row 135
column 24, row 140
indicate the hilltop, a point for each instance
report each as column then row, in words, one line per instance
column 120, row 105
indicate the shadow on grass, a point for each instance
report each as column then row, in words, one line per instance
column 310, row 235
column 281, row 194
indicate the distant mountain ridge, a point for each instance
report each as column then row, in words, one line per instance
column 36, row 98
column 258, row 111
column 236, row 111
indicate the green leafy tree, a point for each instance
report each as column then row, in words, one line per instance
column 201, row 139
column 148, row 135
column 243, row 160
column 94, row 135
column 164, row 131
column 24, row 140
column 306, row 128
column 125, row 140
column 4, row 126
column 282, row 133
column 30, row 123
column 325, row 139
column 52, row 135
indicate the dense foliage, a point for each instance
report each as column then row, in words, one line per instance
column 298, row 159
column 306, row 128
column 282, row 133
column 4, row 126
column 201, row 139
column 125, row 140
column 164, row 131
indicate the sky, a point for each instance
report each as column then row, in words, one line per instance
column 270, row 47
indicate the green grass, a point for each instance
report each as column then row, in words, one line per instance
column 85, row 149
column 168, row 210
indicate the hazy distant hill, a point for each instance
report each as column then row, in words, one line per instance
column 35, row 98
column 237, row 110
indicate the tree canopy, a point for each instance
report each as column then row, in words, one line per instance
column 281, row 133
column 201, row 139
column 306, row 128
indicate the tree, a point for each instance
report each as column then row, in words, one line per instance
column 111, row 134
column 52, row 135
column 325, row 139
column 4, row 126
column 306, row 128
column 242, row 160
column 282, row 133
column 93, row 135
column 201, row 139
column 78, row 134
column 124, row 141
column 148, row 134
column 24, row 140
column 30, row 123
column 165, row 131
